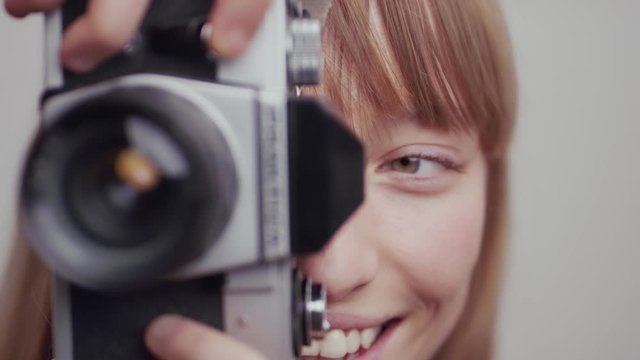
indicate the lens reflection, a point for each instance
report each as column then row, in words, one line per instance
column 119, row 188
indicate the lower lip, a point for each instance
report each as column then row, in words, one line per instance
column 375, row 351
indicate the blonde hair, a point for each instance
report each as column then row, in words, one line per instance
column 25, row 307
column 445, row 62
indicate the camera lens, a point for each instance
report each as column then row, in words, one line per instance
column 117, row 188
column 125, row 186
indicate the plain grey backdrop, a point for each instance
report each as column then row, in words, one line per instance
column 573, row 283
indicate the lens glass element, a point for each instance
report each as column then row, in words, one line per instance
column 125, row 178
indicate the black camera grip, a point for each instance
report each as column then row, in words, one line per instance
column 109, row 326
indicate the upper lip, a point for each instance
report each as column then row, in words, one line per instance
column 344, row 321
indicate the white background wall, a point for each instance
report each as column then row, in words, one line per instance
column 20, row 84
column 573, row 283
column 574, row 279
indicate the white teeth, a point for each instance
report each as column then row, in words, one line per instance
column 334, row 344
column 353, row 341
column 337, row 344
column 311, row 350
column 367, row 336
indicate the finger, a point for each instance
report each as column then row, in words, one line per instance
column 22, row 8
column 101, row 32
column 234, row 23
column 172, row 337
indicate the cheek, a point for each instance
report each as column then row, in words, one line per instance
column 435, row 241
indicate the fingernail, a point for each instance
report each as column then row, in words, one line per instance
column 79, row 63
column 163, row 328
column 229, row 43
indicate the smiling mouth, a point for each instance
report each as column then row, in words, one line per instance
column 346, row 343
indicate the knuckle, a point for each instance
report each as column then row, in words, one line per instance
column 110, row 36
column 14, row 9
column 22, row 8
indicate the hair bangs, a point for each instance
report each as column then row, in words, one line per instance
column 433, row 61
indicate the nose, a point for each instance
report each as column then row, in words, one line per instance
column 349, row 261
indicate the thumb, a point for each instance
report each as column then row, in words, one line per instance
column 173, row 337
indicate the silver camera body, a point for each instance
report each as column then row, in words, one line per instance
column 234, row 193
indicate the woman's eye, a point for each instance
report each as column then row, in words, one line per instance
column 416, row 166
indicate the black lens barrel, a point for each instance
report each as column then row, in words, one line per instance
column 96, row 231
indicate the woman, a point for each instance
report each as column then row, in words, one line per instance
column 429, row 87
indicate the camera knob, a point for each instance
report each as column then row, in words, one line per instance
column 309, row 320
column 304, row 55
column 317, row 324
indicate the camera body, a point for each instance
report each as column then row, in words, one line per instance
column 168, row 181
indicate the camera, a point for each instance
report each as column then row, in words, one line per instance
column 168, row 180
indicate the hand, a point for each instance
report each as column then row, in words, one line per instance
column 108, row 25
column 172, row 337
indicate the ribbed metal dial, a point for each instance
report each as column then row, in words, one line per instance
column 304, row 56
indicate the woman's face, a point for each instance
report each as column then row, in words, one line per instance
column 404, row 260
